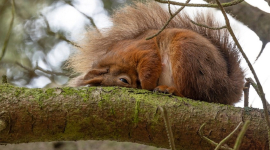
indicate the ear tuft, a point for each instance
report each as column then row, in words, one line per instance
column 95, row 81
column 95, row 72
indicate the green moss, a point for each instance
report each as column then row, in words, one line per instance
column 136, row 112
column 33, row 94
column 112, row 111
column 247, row 110
column 110, row 88
column 18, row 92
column 156, row 116
column 50, row 92
column 68, row 91
column 84, row 95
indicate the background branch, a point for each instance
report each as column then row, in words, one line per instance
column 167, row 23
column 89, row 18
column 41, row 69
column 258, row 21
column 57, row 35
column 3, row 51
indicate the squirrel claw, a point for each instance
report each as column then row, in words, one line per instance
column 167, row 90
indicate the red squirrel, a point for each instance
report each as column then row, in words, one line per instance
column 184, row 59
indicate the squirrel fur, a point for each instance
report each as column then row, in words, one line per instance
column 184, row 59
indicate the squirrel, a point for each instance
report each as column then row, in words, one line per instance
column 184, row 59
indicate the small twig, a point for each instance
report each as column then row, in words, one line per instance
column 260, row 89
column 89, row 18
column 24, row 67
column 8, row 33
column 228, row 137
column 246, row 93
column 204, row 137
column 202, row 5
column 59, row 36
column 254, row 85
column 202, row 25
column 167, row 23
column 168, row 127
column 40, row 69
column 169, row 8
column 241, row 135
column 209, row 140
column 263, row 46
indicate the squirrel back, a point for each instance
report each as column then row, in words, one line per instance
column 185, row 59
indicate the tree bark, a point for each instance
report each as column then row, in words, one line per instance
column 120, row 114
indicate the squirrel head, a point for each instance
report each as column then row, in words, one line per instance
column 111, row 70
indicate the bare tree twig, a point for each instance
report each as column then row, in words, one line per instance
column 201, row 5
column 241, row 135
column 263, row 46
column 254, row 85
column 167, row 23
column 8, row 33
column 228, row 137
column 59, row 36
column 250, row 80
column 169, row 8
column 89, row 18
column 41, row 69
column 209, row 140
column 246, row 93
column 202, row 25
column 168, row 127
column 260, row 89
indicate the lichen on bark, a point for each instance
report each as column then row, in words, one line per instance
column 120, row 114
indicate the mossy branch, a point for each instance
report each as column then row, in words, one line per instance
column 113, row 113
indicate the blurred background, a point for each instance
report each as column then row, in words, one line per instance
column 45, row 32
column 43, row 36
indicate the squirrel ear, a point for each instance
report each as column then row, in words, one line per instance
column 95, row 81
column 95, row 72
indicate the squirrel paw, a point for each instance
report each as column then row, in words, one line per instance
column 167, row 90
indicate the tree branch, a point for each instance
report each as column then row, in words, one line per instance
column 260, row 89
column 259, row 22
column 3, row 51
column 200, row 5
column 41, row 69
column 89, row 18
column 241, row 135
column 120, row 114
column 58, row 35
column 167, row 23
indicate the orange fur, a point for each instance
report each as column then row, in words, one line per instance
column 185, row 60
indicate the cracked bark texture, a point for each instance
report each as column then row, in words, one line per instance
column 256, row 19
column 120, row 114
